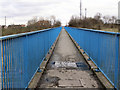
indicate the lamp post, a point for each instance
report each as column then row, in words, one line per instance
column 80, row 9
column 118, row 21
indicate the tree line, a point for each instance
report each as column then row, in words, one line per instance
column 42, row 23
column 97, row 22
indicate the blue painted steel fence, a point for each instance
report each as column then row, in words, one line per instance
column 103, row 48
column 21, row 55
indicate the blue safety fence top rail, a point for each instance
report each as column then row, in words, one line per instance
column 22, row 54
column 103, row 48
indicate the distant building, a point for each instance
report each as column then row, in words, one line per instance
column 16, row 26
column 23, row 25
column 44, row 23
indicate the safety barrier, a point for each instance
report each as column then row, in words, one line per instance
column 22, row 54
column 103, row 48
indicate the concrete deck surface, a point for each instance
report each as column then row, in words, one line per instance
column 67, row 68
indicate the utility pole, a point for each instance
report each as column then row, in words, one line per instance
column 5, row 20
column 85, row 13
column 118, row 16
column 80, row 10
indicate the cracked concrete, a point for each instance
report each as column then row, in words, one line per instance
column 67, row 68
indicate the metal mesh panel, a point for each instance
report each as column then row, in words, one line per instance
column 103, row 48
column 21, row 55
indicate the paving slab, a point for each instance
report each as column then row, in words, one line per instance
column 70, row 83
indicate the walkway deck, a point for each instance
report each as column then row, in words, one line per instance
column 67, row 68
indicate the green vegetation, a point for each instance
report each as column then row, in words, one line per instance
column 111, row 29
column 10, row 31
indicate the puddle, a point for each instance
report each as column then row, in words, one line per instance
column 65, row 64
column 71, row 65
column 53, row 81
column 82, row 66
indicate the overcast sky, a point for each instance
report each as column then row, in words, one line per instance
column 20, row 11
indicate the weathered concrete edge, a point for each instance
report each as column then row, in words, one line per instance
column 104, row 81
column 37, row 76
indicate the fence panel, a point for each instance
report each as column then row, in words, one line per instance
column 103, row 48
column 22, row 54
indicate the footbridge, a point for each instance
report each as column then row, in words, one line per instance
column 60, row 58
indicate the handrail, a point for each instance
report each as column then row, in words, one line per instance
column 97, row 31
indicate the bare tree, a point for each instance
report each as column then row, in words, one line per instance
column 41, row 18
column 113, row 19
column 57, row 23
column 98, row 16
column 99, row 22
column 106, row 19
column 52, row 19
column 32, row 21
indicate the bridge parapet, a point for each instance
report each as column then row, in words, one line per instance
column 103, row 48
column 22, row 54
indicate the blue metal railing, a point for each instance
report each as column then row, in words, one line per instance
column 103, row 48
column 21, row 55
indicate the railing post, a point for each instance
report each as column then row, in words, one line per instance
column 26, row 58
column 99, row 41
column 116, row 61
column 1, row 64
column 119, row 62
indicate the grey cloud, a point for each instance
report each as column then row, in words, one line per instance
column 62, row 9
column 23, row 8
